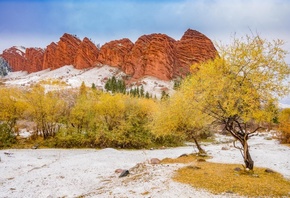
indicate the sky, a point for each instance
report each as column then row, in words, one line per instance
column 37, row 23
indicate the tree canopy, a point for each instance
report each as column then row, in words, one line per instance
column 241, row 86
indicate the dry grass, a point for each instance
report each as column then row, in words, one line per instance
column 184, row 159
column 222, row 178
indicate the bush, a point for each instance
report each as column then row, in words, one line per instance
column 284, row 126
column 169, row 140
column 6, row 137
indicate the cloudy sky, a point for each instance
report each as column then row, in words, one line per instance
column 36, row 23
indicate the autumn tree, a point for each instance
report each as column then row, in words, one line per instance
column 236, row 88
column 83, row 113
column 284, row 125
column 83, row 89
column 46, row 110
column 178, row 116
column 138, row 114
column 12, row 107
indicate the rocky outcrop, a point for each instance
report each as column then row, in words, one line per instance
column 161, row 56
column 87, row 54
column 34, row 59
column 114, row 53
column 25, row 59
column 155, row 55
column 152, row 55
column 49, row 58
column 62, row 53
column 193, row 47
column 15, row 56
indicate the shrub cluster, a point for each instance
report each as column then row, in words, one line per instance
column 284, row 126
column 80, row 118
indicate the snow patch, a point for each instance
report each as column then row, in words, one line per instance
column 74, row 78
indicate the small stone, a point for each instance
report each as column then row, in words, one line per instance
column 225, row 148
column 118, row 170
column 255, row 175
column 237, row 169
column 268, row 170
column 183, row 155
column 8, row 154
column 201, row 160
column 193, row 167
column 124, row 173
column 155, row 161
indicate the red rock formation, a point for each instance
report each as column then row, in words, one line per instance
column 160, row 56
column 113, row 53
column 87, row 54
column 62, row 53
column 15, row 57
column 21, row 59
column 192, row 48
column 34, row 57
column 49, row 57
column 151, row 55
column 155, row 55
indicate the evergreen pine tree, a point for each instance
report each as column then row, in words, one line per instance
column 142, row 92
column 94, row 86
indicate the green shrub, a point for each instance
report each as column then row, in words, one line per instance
column 7, row 138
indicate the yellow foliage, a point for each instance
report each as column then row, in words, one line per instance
column 179, row 115
column 12, row 106
column 284, row 125
column 45, row 109
column 243, row 81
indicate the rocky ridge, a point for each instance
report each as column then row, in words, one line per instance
column 156, row 55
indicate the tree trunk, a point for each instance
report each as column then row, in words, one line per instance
column 247, row 157
column 200, row 150
column 242, row 137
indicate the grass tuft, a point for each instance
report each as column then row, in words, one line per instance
column 184, row 159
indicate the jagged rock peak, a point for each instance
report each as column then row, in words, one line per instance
column 190, row 34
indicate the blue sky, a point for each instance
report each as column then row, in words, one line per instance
column 36, row 23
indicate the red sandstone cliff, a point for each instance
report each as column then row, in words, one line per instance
column 193, row 47
column 34, row 57
column 62, row 53
column 29, row 59
column 152, row 55
column 155, row 55
column 87, row 55
column 15, row 56
column 113, row 53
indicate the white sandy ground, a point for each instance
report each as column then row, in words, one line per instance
column 50, row 173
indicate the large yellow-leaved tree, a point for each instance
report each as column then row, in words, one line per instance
column 239, row 89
